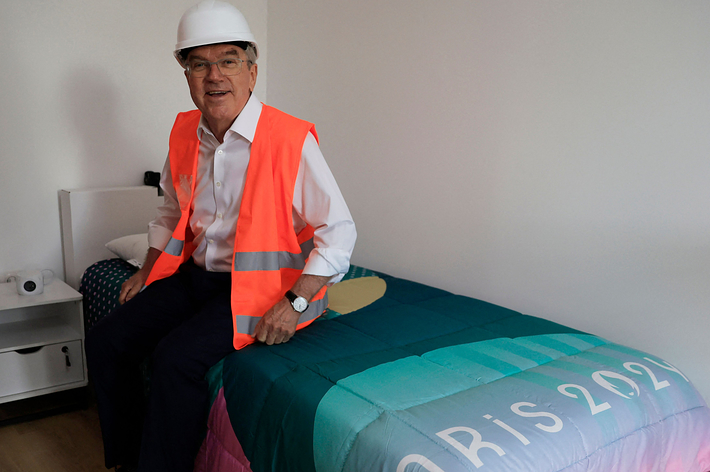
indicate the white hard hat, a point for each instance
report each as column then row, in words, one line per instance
column 212, row 22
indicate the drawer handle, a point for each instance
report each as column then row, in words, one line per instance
column 29, row 350
column 65, row 350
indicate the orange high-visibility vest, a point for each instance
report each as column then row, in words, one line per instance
column 268, row 254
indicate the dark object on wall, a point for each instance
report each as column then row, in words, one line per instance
column 153, row 179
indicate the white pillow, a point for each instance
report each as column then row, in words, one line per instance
column 131, row 249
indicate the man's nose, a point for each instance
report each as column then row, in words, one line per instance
column 215, row 73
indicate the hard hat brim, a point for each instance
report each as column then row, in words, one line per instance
column 226, row 38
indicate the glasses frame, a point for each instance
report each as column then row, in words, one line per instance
column 210, row 63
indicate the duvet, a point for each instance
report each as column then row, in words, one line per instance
column 424, row 380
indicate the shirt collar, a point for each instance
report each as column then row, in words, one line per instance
column 244, row 125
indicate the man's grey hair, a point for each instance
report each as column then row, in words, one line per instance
column 251, row 54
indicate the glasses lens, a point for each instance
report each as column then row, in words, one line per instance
column 198, row 68
column 227, row 66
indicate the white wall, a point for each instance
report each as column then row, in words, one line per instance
column 88, row 95
column 548, row 156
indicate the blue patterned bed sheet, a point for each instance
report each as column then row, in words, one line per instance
column 101, row 286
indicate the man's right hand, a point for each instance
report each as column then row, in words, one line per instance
column 132, row 286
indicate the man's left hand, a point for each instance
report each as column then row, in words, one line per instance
column 278, row 324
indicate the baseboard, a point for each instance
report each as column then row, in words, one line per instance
column 44, row 405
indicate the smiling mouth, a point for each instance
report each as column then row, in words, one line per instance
column 216, row 94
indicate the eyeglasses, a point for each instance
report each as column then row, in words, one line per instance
column 227, row 66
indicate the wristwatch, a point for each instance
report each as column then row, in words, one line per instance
column 299, row 304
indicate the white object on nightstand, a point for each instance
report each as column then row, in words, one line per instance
column 41, row 341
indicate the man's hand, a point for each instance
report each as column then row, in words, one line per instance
column 278, row 324
column 132, row 286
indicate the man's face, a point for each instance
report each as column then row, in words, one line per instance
column 221, row 98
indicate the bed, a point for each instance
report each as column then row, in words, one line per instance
column 400, row 376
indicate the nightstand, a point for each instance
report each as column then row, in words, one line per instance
column 41, row 341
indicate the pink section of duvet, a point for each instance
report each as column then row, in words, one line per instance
column 221, row 451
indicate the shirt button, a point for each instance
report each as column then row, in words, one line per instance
column 218, row 184
column 219, row 215
column 211, row 241
column 220, row 152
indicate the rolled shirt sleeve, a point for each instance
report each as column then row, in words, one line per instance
column 160, row 230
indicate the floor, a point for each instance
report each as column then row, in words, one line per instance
column 64, row 442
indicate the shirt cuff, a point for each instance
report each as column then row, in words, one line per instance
column 158, row 237
column 328, row 262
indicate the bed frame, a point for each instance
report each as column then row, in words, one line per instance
column 92, row 217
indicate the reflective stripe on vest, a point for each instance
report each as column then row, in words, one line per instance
column 174, row 247
column 273, row 260
column 247, row 324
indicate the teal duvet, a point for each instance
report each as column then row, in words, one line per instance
column 424, row 380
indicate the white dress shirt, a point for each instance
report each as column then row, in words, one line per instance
column 221, row 173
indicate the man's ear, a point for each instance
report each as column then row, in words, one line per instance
column 253, row 72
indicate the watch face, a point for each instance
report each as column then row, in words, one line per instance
column 300, row 304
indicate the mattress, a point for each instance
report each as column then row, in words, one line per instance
column 400, row 376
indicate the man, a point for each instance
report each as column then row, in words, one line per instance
column 252, row 231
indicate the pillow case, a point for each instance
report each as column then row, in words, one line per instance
column 132, row 248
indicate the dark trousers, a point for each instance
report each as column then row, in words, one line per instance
column 185, row 321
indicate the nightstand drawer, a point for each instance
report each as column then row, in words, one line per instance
column 42, row 367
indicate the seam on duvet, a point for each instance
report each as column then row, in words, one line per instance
column 509, row 375
column 402, row 420
column 403, row 346
column 222, row 445
column 631, row 433
column 443, row 446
